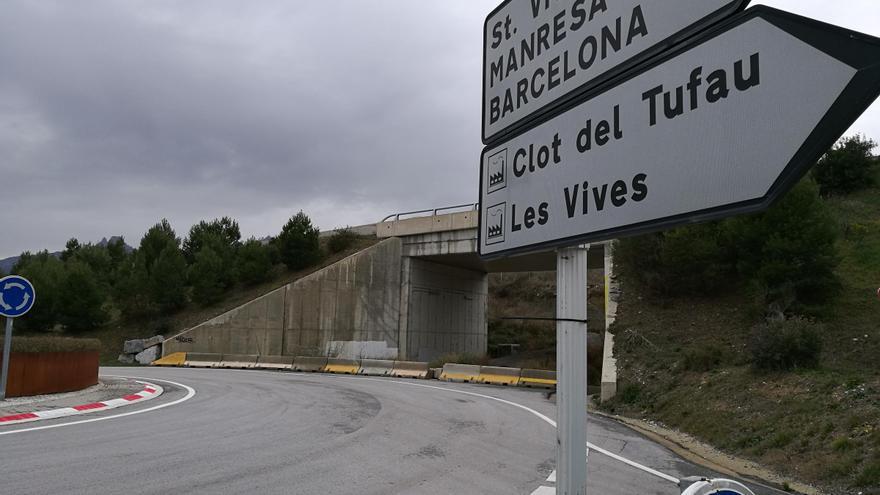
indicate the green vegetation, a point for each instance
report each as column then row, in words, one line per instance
column 847, row 168
column 254, row 262
column 341, row 240
column 786, row 256
column 52, row 344
column 774, row 356
column 298, row 244
column 783, row 345
column 166, row 284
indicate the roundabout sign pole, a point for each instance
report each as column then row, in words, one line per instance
column 17, row 296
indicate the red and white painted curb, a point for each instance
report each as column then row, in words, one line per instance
column 150, row 391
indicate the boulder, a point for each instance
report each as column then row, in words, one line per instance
column 150, row 342
column 133, row 346
column 149, row 355
column 125, row 359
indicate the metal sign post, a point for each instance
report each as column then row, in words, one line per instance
column 17, row 296
column 7, row 345
column 571, row 370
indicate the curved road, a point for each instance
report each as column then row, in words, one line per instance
column 291, row 433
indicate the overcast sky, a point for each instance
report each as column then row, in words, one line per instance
column 117, row 113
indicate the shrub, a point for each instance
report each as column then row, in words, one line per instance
column 848, row 167
column 630, row 393
column 254, row 262
column 298, row 243
column 52, row 344
column 870, row 475
column 702, row 359
column 786, row 345
column 341, row 240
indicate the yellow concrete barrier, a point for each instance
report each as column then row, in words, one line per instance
column 310, row 364
column 538, row 379
column 467, row 373
column 410, row 369
column 275, row 363
column 202, row 360
column 499, row 376
column 176, row 359
column 376, row 367
column 342, row 366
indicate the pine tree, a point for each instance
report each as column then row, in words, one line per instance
column 80, row 298
column 254, row 262
column 298, row 243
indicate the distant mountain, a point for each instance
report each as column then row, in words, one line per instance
column 7, row 264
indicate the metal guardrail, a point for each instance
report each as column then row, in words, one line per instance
column 434, row 212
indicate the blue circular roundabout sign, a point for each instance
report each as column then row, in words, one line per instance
column 17, row 296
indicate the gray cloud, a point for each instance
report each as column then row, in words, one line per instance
column 114, row 114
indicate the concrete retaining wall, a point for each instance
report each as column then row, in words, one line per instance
column 350, row 309
column 384, row 303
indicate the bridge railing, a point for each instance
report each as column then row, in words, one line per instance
column 432, row 212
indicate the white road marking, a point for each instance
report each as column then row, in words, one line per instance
column 544, row 490
column 190, row 393
column 549, row 421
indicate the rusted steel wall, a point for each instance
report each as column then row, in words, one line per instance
column 50, row 372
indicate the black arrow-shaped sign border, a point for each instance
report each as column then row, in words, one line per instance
column 731, row 8
column 858, row 50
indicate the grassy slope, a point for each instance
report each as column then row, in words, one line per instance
column 114, row 334
column 820, row 426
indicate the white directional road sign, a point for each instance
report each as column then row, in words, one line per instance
column 721, row 125
column 538, row 53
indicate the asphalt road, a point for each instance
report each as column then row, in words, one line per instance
column 288, row 433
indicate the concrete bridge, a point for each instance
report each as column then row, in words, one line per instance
column 420, row 292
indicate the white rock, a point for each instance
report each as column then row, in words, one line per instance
column 149, row 355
